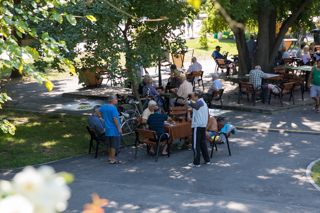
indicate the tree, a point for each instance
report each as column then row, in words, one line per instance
column 242, row 15
column 14, row 22
column 120, row 29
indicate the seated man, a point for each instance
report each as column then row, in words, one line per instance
column 156, row 123
column 285, row 53
column 194, row 67
column 174, row 79
column 149, row 90
column 255, row 77
column 95, row 121
column 216, row 84
column 217, row 55
column 148, row 111
column 212, row 127
column 299, row 52
column 143, row 83
column 184, row 90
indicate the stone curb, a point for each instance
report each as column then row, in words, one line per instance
column 308, row 173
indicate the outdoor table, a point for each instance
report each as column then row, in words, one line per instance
column 305, row 69
column 180, row 130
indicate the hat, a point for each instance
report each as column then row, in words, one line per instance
column 173, row 66
column 152, row 103
column 176, row 73
column 182, row 75
column 218, row 47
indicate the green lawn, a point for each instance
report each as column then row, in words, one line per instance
column 227, row 45
column 41, row 138
column 315, row 173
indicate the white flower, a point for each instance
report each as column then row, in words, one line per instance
column 16, row 204
column 5, row 187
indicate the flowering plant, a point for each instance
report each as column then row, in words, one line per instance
column 35, row 191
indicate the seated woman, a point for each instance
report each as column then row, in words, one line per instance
column 306, row 56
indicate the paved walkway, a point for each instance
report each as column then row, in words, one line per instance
column 266, row 172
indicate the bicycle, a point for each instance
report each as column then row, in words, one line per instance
column 128, row 126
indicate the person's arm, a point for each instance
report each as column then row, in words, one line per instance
column 196, row 105
column 309, row 78
column 209, row 123
column 144, row 117
column 190, row 69
column 115, row 120
column 189, row 116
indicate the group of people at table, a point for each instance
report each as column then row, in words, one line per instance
column 105, row 119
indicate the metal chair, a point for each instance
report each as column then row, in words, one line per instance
column 96, row 137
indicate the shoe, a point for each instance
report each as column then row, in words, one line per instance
column 207, row 163
column 193, row 165
column 116, row 162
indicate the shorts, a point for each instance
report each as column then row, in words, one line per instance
column 114, row 141
column 212, row 133
column 190, row 25
column 314, row 91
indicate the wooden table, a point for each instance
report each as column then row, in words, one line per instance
column 180, row 130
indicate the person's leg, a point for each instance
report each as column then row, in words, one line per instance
column 114, row 143
column 314, row 96
column 172, row 101
column 192, row 29
column 203, row 144
column 196, row 137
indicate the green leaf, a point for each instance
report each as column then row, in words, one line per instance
column 45, row 36
column 49, row 85
column 34, row 53
column 34, row 4
column 91, row 18
column 57, row 17
column 67, row 176
column 72, row 20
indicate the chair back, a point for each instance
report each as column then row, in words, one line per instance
column 287, row 87
column 178, row 61
column 177, row 111
column 279, row 70
column 93, row 133
column 178, row 119
column 221, row 62
column 217, row 95
column 146, row 134
column 246, row 87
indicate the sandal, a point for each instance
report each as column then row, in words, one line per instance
column 317, row 106
column 152, row 153
column 164, row 154
column 116, row 162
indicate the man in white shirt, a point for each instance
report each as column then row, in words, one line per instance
column 148, row 111
column 184, row 90
column 194, row 67
column 216, row 84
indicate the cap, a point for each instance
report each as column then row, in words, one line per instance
column 182, row 75
column 176, row 73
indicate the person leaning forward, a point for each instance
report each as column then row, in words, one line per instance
column 184, row 90
column 112, row 127
column 255, row 77
column 198, row 124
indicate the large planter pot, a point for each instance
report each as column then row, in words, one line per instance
column 89, row 76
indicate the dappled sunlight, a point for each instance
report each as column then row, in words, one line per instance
column 278, row 147
column 279, row 170
column 237, row 206
column 33, row 124
column 293, row 153
column 203, row 204
column 280, row 124
column 293, row 125
column 305, row 142
column 300, row 176
column 132, row 169
column 67, row 135
column 313, row 125
column 246, row 143
column 49, row 143
column 263, row 177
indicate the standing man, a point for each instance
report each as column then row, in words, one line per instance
column 315, row 86
column 194, row 67
column 251, row 44
column 112, row 127
column 199, row 124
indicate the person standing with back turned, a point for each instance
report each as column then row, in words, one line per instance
column 198, row 124
column 112, row 127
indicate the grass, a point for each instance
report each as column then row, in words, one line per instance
column 315, row 173
column 41, row 138
column 227, row 45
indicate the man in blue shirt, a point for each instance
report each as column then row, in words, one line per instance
column 96, row 122
column 149, row 90
column 156, row 123
column 112, row 126
column 251, row 44
column 217, row 55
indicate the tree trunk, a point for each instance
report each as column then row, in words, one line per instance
column 243, row 52
column 263, row 42
column 272, row 35
column 15, row 73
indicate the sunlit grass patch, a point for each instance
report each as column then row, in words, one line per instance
column 41, row 138
column 315, row 173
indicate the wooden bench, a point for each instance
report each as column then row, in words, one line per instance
column 221, row 64
column 215, row 96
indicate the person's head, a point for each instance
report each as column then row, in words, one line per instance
column 149, row 81
column 182, row 77
column 145, row 77
column 113, row 100
column 193, row 59
column 218, row 48
column 152, row 105
column 195, row 95
column 173, row 67
column 283, row 49
column 257, row 67
column 157, row 110
column 312, row 44
column 215, row 76
column 251, row 36
column 302, row 45
column 306, row 49
column 95, row 110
